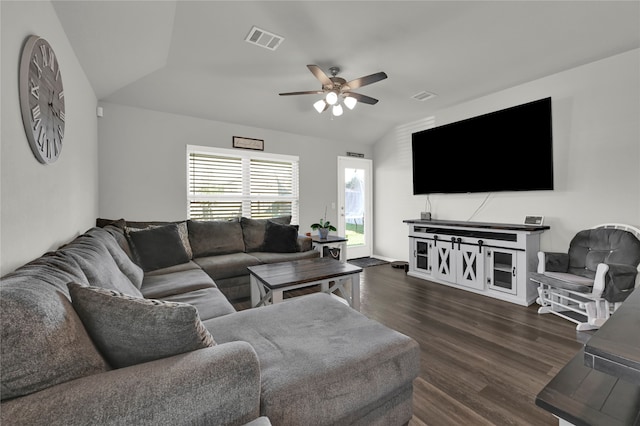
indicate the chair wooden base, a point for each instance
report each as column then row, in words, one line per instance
column 579, row 308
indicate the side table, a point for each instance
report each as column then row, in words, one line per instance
column 331, row 241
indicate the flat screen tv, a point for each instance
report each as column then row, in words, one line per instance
column 506, row 150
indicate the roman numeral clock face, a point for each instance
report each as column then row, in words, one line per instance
column 42, row 99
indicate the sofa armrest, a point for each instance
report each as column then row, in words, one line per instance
column 217, row 385
column 552, row 262
column 304, row 243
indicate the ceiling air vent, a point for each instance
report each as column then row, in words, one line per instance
column 263, row 38
column 423, row 96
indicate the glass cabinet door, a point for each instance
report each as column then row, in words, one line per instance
column 502, row 270
column 422, row 253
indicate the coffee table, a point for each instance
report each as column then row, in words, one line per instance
column 268, row 282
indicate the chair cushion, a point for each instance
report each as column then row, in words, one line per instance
column 132, row 330
column 602, row 245
column 564, row 280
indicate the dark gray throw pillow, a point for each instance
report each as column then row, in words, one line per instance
column 253, row 231
column 131, row 330
column 280, row 238
column 159, row 247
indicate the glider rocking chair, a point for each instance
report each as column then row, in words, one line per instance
column 587, row 284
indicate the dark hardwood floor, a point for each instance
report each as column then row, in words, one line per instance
column 483, row 360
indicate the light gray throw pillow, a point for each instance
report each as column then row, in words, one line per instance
column 130, row 330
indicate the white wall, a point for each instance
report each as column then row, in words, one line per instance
column 596, row 136
column 44, row 206
column 143, row 162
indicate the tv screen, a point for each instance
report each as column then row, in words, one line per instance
column 506, row 150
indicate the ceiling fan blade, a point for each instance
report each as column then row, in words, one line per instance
column 309, row 92
column 320, row 75
column 363, row 81
column 362, row 98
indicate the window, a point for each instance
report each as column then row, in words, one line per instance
column 226, row 183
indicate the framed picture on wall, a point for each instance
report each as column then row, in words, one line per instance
column 248, row 143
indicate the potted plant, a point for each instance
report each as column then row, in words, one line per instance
column 323, row 226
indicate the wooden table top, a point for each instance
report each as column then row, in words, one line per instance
column 283, row 274
column 584, row 396
column 615, row 348
column 329, row 239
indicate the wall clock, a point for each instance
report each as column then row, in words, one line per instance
column 42, row 99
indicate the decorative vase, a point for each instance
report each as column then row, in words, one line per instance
column 323, row 233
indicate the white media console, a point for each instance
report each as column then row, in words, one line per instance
column 493, row 259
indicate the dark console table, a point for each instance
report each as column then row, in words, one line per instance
column 601, row 384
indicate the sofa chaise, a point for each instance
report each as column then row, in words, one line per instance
column 128, row 327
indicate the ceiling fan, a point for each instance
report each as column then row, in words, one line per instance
column 337, row 89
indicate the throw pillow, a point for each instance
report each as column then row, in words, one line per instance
column 253, row 231
column 131, row 330
column 280, row 238
column 158, row 247
column 184, row 237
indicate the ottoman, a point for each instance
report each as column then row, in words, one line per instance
column 324, row 363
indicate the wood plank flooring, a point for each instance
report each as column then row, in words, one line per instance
column 483, row 360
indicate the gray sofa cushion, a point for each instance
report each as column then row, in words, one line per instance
column 253, row 231
column 54, row 268
column 212, row 386
column 266, row 257
column 101, row 270
column 348, row 361
column 122, row 258
column 210, row 238
column 190, row 265
column 227, row 265
column 280, row 238
column 209, row 302
column 159, row 247
column 130, row 330
column 168, row 284
column 43, row 341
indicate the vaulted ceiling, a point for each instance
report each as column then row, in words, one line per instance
column 191, row 57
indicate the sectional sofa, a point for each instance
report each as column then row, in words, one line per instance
column 128, row 327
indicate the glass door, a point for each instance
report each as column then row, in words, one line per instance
column 354, row 205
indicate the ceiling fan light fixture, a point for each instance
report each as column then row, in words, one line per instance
column 337, row 110
column 331, row 98
column 350, row 102
column 320, row 106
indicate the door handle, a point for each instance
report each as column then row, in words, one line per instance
column 459, row 242
column 480, row 243
column 453, row 243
